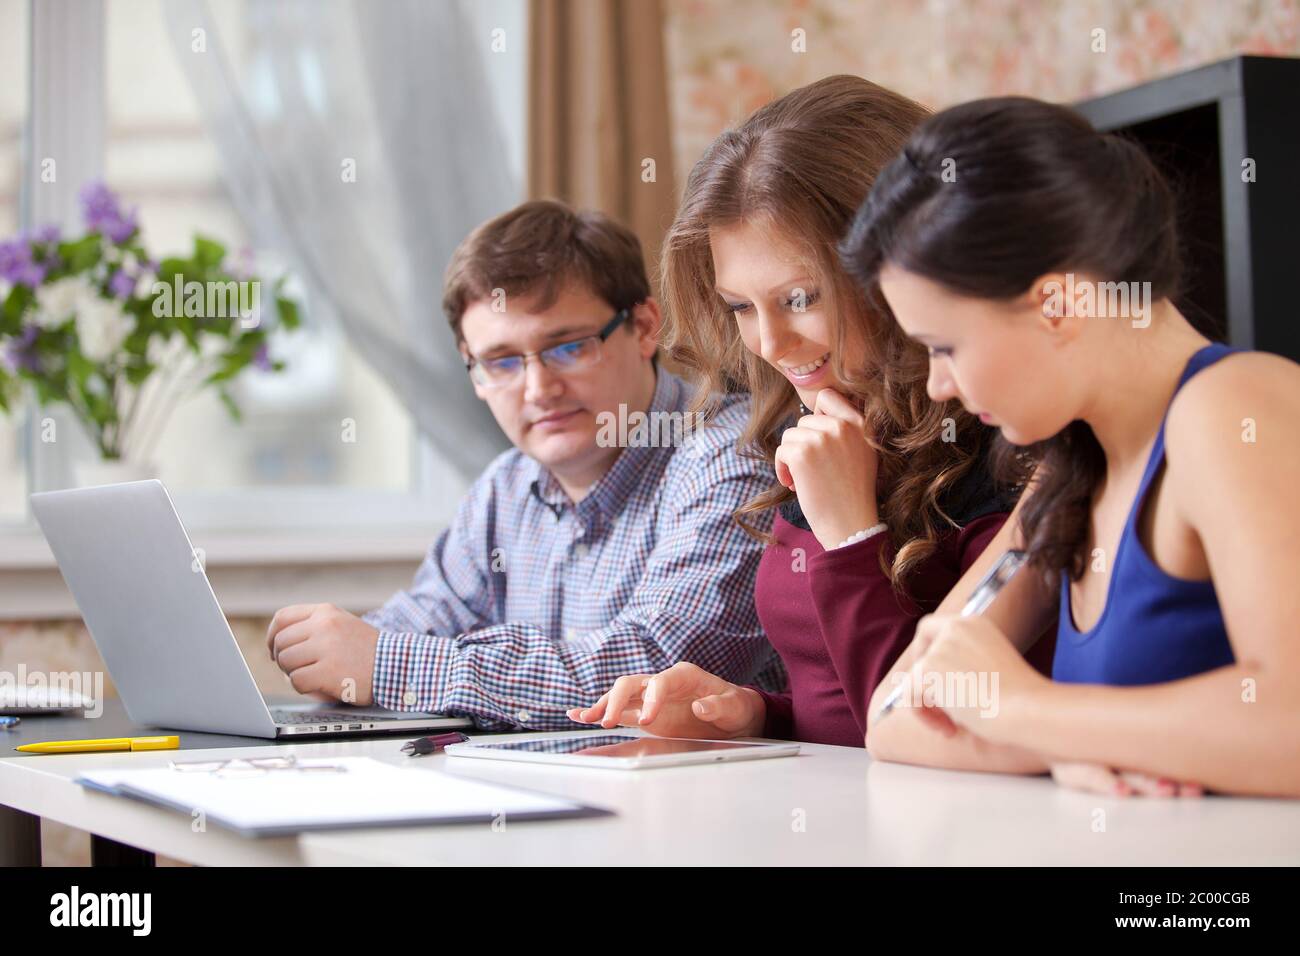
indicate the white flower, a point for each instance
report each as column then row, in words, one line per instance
column 102, row 327
column 160, row 352
column 211, row 345
column 58, row 301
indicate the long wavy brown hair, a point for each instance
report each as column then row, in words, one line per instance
column 800, row 167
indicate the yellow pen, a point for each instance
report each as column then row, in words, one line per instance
column 171, row 742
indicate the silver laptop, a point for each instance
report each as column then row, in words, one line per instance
column 152, row 613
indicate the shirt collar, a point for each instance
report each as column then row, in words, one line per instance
column 611, row 491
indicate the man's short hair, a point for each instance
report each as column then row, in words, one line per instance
column 536, row 249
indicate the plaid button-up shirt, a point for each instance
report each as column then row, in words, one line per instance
column 529, row 604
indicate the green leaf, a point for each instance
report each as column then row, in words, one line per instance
column 224, row 374
column 81, row 254
column 287, row 310
column 169, row 267
column 208, row 253
column 137, row 340
column 79, row 367
column 186, row 326
column 16, row 303
column 46, row 394
column 231, row 407
column 135, row 374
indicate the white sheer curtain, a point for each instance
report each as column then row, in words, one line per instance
column 360, row 141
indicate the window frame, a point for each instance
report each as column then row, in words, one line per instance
column 67, row 52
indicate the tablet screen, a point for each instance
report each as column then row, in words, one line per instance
column 618, row 745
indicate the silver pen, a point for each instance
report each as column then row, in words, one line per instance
column 993, row 582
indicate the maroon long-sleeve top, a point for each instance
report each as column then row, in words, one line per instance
column 839, row 625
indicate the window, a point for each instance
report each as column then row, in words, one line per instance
column 13, row 113
column 286, row 464
column 159, row 158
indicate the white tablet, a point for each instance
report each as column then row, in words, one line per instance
column 622, row 751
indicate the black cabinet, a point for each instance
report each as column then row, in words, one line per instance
column 1228, row 137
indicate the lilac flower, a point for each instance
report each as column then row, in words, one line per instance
column 15, row 255
column 16, row 264
column 262, row 358
column 121, row 285
column 104, row 214
column 47, row 235
column 242, row 264
column 21, row 352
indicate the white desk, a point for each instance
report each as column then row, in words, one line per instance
column 830, row 805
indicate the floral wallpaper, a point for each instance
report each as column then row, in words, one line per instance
column 728, row 57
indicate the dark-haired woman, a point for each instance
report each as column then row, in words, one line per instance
column 1036, row 260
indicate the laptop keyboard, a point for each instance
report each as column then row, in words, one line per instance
column 318, row 717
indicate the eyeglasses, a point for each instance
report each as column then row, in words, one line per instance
column 255, row 767
column 504, row 370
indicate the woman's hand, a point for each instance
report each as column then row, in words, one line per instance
column 827, row 458
column 682, row 701
column 970, row 677
column 1095, row 778
column 969, row 670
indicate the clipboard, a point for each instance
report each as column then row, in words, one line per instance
column 363, row 793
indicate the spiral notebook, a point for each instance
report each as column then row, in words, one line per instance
column 361, row 792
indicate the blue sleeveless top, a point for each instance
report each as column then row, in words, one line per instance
column 1154, row 627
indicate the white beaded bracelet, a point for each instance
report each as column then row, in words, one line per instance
column 862, row 535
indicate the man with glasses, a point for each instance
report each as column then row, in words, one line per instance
column 573, row 559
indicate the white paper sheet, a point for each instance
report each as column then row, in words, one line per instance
column 369, row 793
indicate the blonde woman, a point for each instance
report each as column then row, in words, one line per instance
column 880, row 499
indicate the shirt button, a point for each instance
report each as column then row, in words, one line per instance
column 409, row 698
column 523, row 716
column 571, row 634
column 580, row 550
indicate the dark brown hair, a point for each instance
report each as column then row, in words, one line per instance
column 985, row 198
column 538, row 247
column 800, row 166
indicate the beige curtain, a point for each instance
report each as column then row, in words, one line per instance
column 598, row 109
